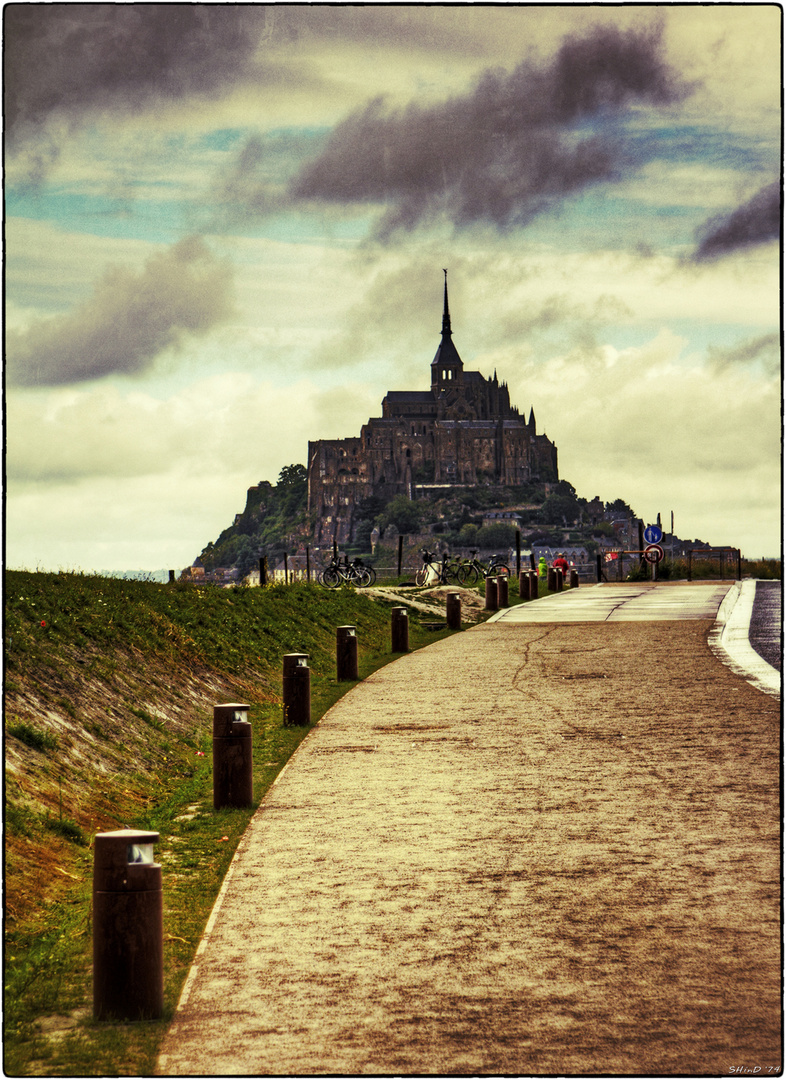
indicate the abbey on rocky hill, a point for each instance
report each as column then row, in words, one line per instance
column 462, row 432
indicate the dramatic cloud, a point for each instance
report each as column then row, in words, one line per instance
column 65, row 59
column 756, row 222
column 504, row 153
column 128, row 321
column 136, row 418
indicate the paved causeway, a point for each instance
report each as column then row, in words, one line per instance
column 535, row 847
column 631, row 602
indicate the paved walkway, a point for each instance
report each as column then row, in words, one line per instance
column 531, row 848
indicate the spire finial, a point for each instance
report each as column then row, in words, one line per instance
column 446, row 331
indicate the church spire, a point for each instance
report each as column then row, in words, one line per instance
column 446, row 367
column 446, row 331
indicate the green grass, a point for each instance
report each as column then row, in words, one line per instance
column 119, row 735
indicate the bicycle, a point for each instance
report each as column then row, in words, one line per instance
column 474, row 569
column 354, row 573
column 445, row 572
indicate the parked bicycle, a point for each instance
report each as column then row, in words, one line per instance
column 343, row 572
column 473, row 569
column 436, row 570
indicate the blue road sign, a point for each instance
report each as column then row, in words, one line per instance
column 653, row 534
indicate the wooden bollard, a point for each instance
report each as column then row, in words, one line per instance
column 534, row 581
column 559, row 578
column 233, row 761
column 574, row 579
column 524, row 584
column 453, row 610
column 551, row 579
column 346, row 653
column 491, row 594
column 128, row 927
column 399, row 630
column 297, row 690
column 502, row 591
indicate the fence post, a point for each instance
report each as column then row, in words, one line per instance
column 739, row 565
column 600, row 568
column 518, row 551
column 400, row 553
column 263, row 571
column 171, row 576
column 690, row 565
column 308, row 566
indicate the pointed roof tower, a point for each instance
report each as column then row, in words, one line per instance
column 446, row 364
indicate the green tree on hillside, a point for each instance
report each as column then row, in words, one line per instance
column 269, row 523
column 406, row 515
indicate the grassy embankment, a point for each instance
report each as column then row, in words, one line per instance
column 110, row 686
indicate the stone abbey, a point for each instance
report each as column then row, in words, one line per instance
column 462, row 432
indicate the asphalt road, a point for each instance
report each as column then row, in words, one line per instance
column 533, row 848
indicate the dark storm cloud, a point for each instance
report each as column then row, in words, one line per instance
column 519, row 142
column 127, row 322
column 66, row 59
column 755, row 222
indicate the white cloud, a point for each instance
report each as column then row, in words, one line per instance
column 666, row 436
column 109, row 480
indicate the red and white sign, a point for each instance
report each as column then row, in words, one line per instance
column 654, row 553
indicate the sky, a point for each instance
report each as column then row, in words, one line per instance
column 226, row 228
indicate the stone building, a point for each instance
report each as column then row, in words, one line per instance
column 462, row 432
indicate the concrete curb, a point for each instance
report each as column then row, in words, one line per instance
column 730, row 643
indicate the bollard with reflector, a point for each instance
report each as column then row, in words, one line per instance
column 502, row 591
column 574, row 578
column 233, row 762
column 297, row 690
column 453, row 610
column 399, row 629
column 128, row 922
column 491, row 594
column 346, row 653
